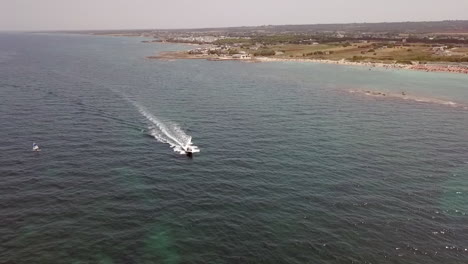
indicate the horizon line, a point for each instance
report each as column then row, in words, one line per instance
column 226, row 27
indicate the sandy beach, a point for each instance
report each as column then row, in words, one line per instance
column 461, row 69
column 420, row 67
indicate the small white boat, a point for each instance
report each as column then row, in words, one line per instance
column 188, row 150
column 36, row 147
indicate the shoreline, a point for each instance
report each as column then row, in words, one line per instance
column 447, row 68
column 420, row 67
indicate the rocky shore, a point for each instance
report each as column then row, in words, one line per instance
column 409, row 97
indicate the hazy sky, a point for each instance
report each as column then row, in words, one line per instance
column 127, row 14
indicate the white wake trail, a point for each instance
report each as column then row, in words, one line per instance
column 169, row 133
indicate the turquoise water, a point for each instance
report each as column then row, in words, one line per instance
column 293, row 168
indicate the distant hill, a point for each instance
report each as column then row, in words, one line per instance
column 449, row 26
column 455, row 26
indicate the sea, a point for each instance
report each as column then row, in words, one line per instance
column 297, row 162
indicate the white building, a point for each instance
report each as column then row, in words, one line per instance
column 241, row 56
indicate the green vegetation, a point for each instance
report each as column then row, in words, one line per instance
column 276, row 39
column 232, row 41
column 440, row 59
column 265, row 52
column 306, row 46
column 358, row 58
column 318, row 53
column 265, row 40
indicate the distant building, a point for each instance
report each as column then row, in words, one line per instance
column 339, row 35
column 441, row 48
column 241, row 56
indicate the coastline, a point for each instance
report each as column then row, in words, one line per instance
column 180, row 55
column 443, row 67
column 397, row 66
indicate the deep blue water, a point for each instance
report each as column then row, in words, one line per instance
column 293, row 168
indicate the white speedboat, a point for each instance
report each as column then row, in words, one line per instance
column 188, row 150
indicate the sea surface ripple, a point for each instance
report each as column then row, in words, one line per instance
column 293, row 168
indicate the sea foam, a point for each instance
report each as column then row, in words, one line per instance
column 167, row 132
